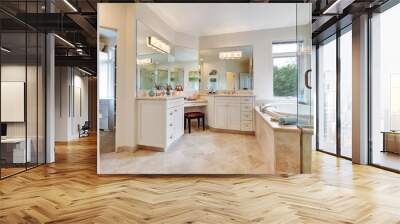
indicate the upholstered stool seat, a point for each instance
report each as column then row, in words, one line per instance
column 194, row 115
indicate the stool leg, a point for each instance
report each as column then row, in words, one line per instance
column 184, row 121
column 190, row 125
column 198, row 122
column 204, row 127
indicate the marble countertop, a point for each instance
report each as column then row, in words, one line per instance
column 196, row 101
column 159, row 97
column 230, row 95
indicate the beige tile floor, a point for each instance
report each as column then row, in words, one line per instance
column 201, row 152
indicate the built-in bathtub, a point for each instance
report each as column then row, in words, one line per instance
column 286, row 109
column 286, row 148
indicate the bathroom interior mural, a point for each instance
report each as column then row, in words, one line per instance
column 225, row 97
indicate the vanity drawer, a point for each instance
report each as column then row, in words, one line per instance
column 246, row 126
column 246, row 99
column 170, row 136
column 247, row 107
column 246, row 116
column 227, row 99
column 175, row 103
column 170, row 114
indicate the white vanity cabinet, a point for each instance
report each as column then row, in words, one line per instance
column 233, row 113
column 160, row 121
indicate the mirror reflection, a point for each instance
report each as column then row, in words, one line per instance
column 163, row 67
column 227, row 68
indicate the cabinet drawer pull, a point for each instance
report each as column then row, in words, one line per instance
column 170, row 125
column 170, row 113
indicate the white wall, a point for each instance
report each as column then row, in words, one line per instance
column 151, row 20
column 122, row 19
column 33, row 127
column 15, row 72
column 66, row 101
column 261, row 41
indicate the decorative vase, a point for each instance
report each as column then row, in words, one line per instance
column 151, row 92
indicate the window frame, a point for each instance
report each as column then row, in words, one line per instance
column 282, row 55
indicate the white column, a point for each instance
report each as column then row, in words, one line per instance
column 50, row 99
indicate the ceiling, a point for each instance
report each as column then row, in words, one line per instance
column 200, row 19
column 77, row 26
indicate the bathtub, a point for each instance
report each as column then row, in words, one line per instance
column 278, row 110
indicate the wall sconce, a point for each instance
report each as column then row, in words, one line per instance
column 230, row 55
column 158, row 45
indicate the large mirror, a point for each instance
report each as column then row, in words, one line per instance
column 160, row 64
column 228, row 68
column 152, row 61
column 184, row 69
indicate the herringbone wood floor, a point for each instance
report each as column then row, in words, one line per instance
column 69, row 191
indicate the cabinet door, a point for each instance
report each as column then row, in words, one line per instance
column 221, row 116
column 234, row 117
column 210, row 111
column 178, row 112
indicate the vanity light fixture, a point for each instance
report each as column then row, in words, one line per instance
column 70, row 5
column 144, row 61
column 158, row 45
column 64, row 40
column 5, row 50
column 230, row 55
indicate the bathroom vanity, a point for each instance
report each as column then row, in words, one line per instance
column 160, row 121
column 232, row 112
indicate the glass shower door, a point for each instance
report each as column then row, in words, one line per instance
column 305, row 119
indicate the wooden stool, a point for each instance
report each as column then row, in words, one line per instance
column 194, row 115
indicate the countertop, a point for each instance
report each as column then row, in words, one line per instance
column 274, row 124
column 230, row 95
column 159, row 97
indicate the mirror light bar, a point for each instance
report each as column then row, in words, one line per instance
column 5, row 50
column 230, row 55
column 144, row 61
column 158, row 45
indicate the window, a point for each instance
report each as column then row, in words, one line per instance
column 285, row 69
column 106, row 74
column 346, row 94
column 385, row 89
column 327, row 116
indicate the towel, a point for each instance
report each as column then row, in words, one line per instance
column 287, row 120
